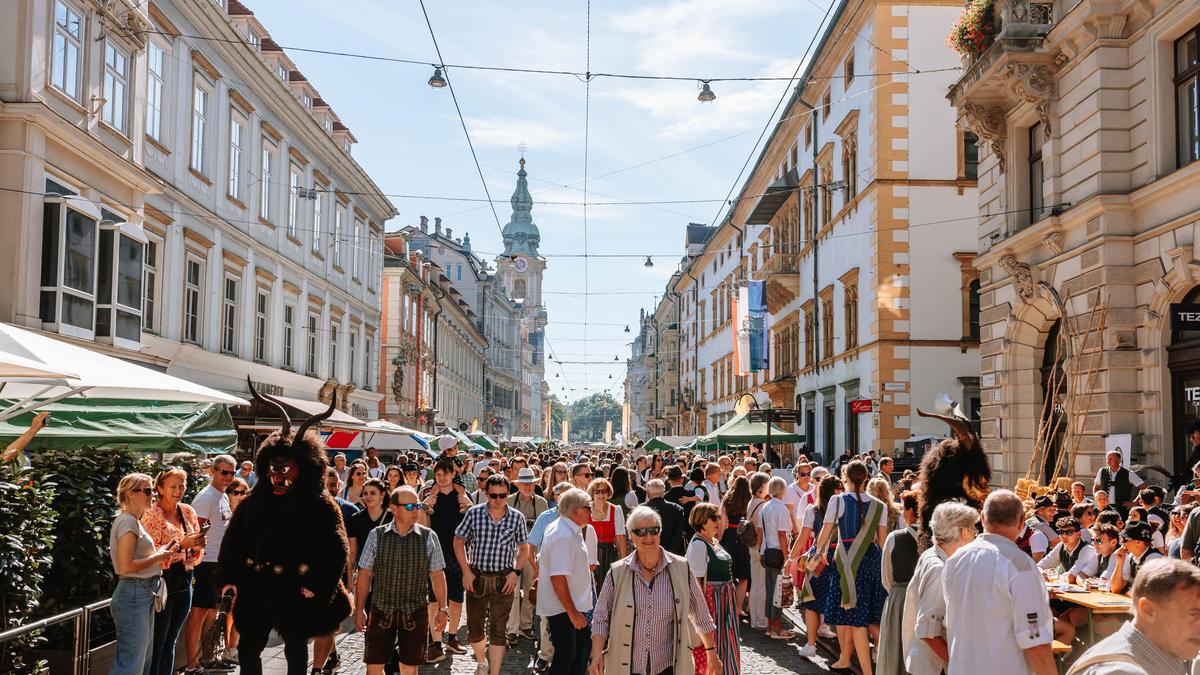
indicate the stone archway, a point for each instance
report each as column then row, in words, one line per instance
column 1029, row 324
column 1155, row 377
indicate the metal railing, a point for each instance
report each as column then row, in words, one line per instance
column 81, row 652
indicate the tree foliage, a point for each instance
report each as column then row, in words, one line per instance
column 588, row 416
column 26, row 543
column 558, row 412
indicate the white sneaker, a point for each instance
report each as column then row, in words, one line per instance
column 826, row 632
column 808, row 651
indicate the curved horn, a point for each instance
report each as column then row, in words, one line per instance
column 961, row 428
column 286, row 426
column 316, row 419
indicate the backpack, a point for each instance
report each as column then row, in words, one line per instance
column 746, row 532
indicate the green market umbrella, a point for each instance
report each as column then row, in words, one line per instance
column 741, row 431
column 481, row 439
column 144, row 426
column 665, row 443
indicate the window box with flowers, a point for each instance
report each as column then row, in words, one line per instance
column 975, row 30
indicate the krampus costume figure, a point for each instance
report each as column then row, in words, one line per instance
column 286, row 549
column 954, row 470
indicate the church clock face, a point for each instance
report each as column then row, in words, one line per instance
column 520, row 264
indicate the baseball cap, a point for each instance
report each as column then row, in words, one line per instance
column 526, row 476
column 1139, row 531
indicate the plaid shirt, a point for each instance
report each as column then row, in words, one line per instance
column 491, row 545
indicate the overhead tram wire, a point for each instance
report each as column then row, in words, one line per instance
column 462, row 121
column 587, row 109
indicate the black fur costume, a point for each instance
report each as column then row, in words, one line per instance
column 954, row 470
column 286, row 548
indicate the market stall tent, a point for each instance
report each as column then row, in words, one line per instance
column 741, row 431
column 664, row 443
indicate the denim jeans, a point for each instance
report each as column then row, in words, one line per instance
column 166, row 629
column 572, row 646
column 772, row 579
column 133, row 613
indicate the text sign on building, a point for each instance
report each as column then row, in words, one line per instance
column 1185, row 316
column 862, row 406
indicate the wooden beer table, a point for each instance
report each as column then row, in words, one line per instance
column 1097, row 602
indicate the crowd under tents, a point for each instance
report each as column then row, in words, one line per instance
column 741, row 431
column 100, row 401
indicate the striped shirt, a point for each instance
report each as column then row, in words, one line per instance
column 655, row 615
column 492, row 544
column 1130, row 641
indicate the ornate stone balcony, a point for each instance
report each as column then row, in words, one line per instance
column 781, row 271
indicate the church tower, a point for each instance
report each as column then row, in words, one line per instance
column 520, row 267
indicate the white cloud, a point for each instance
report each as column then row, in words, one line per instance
column 509, row 133
column 681, row 33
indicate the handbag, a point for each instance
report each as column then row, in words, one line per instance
column 160, row 595
column 773, row 558
column 746, row 532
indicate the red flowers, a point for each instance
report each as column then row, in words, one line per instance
column 975, row 30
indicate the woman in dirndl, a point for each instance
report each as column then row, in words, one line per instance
column 713, row 567
column 818, row 569
column 855, row 521
column 898, row 563
column 609, row 522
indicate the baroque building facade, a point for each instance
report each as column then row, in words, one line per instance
column 1089, row 126
column 176, row 193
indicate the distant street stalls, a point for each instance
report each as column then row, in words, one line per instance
column 665, row 443
column 741, row 431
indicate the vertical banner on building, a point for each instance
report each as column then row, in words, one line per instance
column 608, row 431
column 548, row 426
column 756, row 301
column 566, row 426
column 625, row 420
column 740, row 311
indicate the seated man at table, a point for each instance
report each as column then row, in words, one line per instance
column 1075, row 559
column 1044, row 509
column 1107, row 542
column 1103, row 503
column 1136, row 552
column 1164, row 635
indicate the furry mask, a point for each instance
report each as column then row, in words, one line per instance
column 955, row 469
column 290, row 463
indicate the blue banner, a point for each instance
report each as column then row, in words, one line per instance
column 757, row 301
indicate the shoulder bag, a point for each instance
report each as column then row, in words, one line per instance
column 746, row 531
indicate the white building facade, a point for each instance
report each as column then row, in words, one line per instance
column 179, row 195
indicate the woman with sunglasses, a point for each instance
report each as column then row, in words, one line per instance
column 609, row 522
column 137, row 564
column 170, row 522
column 556, row 474
column 712, row 565
column 626, row 640
column 1179, row 519
column 354, row 484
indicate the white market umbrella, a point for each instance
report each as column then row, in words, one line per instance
column 100, row 376
column 13, row 367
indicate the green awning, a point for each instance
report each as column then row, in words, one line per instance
column 664, row 443
column 143, row 426
column 741, row 431
column 464, row 443
column 483, row 441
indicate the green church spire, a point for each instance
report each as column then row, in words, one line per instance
column 520, row 234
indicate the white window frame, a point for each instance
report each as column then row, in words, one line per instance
column 339, row 217
column 289, row 335
column 318, row 206
column 334, row 329
column 59, row 288
column 229, row 313
column 115, row 112
column 156, row 89
column 238, row 126
column 356, row 250
column 114, row 225
column 371, row 265
column 66, row 50
column 193, row 300
column 306, row 99
column 262, row 322
column 150, row 295
column 254, row 39
column 351, row 361
column 202, row 94
column 311, row 345
column 281, row 71
column 295, row 177
column 368, row 372
column 268, row 161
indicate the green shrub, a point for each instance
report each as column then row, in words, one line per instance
column 26, row 540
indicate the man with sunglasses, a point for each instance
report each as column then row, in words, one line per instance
column 581, row 475
column 1076, row 559
column 800, row 494
column 212, row 509
column 490, row 544
column 400, row 561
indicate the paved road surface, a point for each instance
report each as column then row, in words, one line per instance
column 760, row 656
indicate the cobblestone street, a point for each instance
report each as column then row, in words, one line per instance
column 760, row 656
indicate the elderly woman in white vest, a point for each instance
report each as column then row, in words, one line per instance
column 651, row 611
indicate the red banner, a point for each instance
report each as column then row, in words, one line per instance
column 862, row 406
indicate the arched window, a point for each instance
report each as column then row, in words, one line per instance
column 519, row 289
column 1054, row 390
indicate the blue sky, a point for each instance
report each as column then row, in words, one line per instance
column 410, row 140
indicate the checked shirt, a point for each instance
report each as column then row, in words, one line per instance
column 491, row 545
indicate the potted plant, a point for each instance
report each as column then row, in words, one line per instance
column 975, row 29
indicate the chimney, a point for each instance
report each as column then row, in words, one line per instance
column 448, row 230
column 437, row 225
column 424, row 224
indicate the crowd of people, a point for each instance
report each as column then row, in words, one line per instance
column 620, row 562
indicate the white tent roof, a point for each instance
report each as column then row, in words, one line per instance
column 338, row 420
column 17, row 367
column 98, row 375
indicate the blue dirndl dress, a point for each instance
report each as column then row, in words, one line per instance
column 868, row 580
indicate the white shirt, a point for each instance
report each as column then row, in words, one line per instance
column 1112, row 489
column 1086, row 564
column 714, row 492
column 697, row 557
column 564, row 554
column 213, row 505
column 924, row 614
column 996, row 607
column 1112, row 563
column 1038, row 543
column 773, row 518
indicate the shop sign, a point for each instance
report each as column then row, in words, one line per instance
column 862, row 406
column 1185, row 316
column 893, row 386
